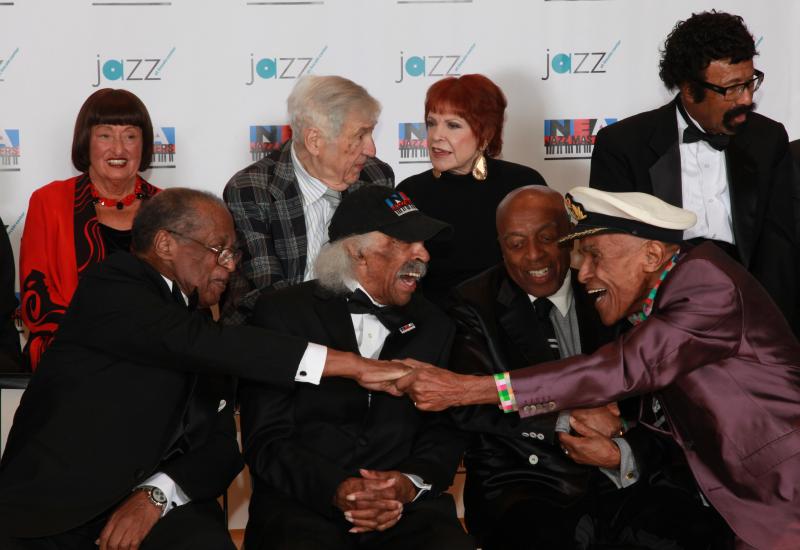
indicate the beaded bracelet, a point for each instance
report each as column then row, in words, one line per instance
column 507, row 400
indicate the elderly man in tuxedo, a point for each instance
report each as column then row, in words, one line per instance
column 125, row 435
column 708, row 152
column 531, row 484
column 716, row 362
column 339, row 466
column 282, row 204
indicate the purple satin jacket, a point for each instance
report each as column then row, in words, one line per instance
column 725, row 366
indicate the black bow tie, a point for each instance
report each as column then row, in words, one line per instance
column 359, row 303
column 718, row 141
column 693, row 134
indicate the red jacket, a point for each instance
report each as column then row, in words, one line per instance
column 61, row 238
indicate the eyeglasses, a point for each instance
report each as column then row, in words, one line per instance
column 733, row 92
column 224, row 255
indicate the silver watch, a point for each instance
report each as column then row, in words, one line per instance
column 156, row 495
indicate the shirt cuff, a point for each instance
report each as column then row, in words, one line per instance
column 175, row 495
column 419, row 483
column 312, row 364
column 562, row 423
column 628, row 472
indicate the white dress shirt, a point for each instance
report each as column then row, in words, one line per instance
column 370, row 336
column 704, row 187
column 317, row 212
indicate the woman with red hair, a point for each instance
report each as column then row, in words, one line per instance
column 464, row 117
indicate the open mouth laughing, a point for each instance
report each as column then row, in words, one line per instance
column 597, row 294
column 411, row 273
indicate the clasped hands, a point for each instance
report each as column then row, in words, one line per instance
column 374, row 501
column 435, row 389
column 429, row 387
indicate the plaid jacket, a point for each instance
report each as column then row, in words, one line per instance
column 267, row 209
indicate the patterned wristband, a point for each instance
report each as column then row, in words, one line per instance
column 507, row 401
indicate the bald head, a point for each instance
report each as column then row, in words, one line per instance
column 536, row 197
column 530, row 220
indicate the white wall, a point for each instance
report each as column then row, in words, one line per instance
column 201, row 50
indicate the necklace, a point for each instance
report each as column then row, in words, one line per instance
column 127, row 200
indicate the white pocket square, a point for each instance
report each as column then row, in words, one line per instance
column 222, row 404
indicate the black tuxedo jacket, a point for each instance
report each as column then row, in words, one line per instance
column 497, row 331
column 641, row 154
column 116, row 399
column 303, row 443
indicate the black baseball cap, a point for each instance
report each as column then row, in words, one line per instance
column 378, row 208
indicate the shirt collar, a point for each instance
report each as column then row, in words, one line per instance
column 171, row 284
column 562, row 298
column 311, row 189
column 682, row 125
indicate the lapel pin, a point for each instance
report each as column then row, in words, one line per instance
column 407, row 328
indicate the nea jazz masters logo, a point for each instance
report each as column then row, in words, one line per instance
column 164, row 147
column 264, row 139
column 572, row 138
column 9, row 150
column 412, row 142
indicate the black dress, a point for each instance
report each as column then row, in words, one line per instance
column 469, row 206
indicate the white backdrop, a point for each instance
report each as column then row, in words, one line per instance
column 213, row 73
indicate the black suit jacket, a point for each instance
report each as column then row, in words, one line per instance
column 116, row 399
column 641, row 154
column 498, row 331
column 303, row 443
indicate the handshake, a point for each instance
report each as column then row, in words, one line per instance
column 429, row 387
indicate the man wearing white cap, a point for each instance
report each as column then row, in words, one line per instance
column 718, row 361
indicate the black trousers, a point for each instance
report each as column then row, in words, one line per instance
column 194, row 526
column 639, row 517
column 280, row 523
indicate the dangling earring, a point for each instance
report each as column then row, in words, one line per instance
column 437, row 174
column 479, row 169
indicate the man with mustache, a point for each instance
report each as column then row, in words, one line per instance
column 706, row 151
column 341, row 467
column 714, row 361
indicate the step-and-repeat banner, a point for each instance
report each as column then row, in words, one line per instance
column 215, row 75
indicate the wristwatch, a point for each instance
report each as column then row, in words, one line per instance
column 156, row 496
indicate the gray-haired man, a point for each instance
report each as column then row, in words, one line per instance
column 282, row 204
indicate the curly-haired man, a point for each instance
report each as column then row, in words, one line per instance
column 708, row 152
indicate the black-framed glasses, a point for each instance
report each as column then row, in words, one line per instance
column 736, row 90
column 224, row 255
